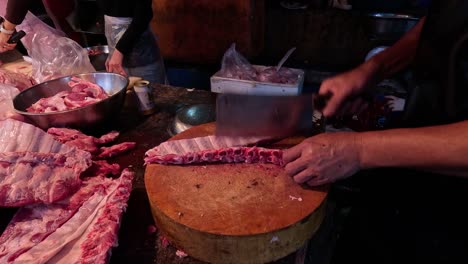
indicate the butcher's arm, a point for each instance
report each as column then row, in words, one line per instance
column 396, row 57
column 441, row 149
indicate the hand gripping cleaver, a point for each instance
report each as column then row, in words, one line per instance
column 263, row 115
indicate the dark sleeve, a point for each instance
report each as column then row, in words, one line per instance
column 16, row 10
column 142, row 15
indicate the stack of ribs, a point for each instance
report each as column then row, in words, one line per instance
column 70, row 210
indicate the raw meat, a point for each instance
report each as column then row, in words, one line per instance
column 102, row 168
column 284, row 75
column 83, row 93
column 18, row 80
column 225, row 155
column 81, row 229
column 73, row 137
column 17, row 136
column 184, row 146
column 31, row 177
column 236, row 66
column 108, row 152
column 35, row 167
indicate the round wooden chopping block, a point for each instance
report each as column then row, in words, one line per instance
column 233, row 213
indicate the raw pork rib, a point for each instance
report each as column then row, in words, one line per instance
column 31, row 177
column 16, row 136
column 83, row 93
column 81, row 229
column 16, row 79
column 76, row 138
column 36, row 168
column 226, row 155
column 91, row 144
column 212, row 149
column 184, row 146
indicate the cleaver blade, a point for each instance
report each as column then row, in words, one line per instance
column 263, row 115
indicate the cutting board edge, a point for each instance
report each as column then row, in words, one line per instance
column 256, row 248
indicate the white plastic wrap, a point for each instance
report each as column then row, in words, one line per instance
column 7, row 93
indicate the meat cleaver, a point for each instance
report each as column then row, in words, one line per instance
column 263, row 115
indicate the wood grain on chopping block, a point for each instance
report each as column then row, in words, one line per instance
column 233, row 213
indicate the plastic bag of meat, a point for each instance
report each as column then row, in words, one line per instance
column 236, row 66
column 283, row 75
column 53, row 55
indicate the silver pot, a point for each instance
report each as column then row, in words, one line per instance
column 190, row 116
column 390, row 26
column 87, row 117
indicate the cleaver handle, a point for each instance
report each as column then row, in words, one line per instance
column 16, row 37
column 320, row 100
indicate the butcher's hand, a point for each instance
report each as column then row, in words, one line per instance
column 345, row 90
column 324, row 158
column 4, row 45
column 114, row 64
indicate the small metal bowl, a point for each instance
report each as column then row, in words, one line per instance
column 98, row 56
column 389, row 25
column 85, row 117
column 190, row 116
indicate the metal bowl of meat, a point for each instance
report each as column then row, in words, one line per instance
column 193, row 115
column 93, row 99
column 98, row 56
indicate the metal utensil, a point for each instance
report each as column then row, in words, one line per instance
column 285, row 57
column 259, row 115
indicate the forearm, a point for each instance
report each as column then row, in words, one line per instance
column 142, row 16
column 16, row 11
column 399, row 55
column 441, row 149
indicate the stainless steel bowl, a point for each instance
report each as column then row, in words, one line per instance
column 190, row 116
column 85, row 117
column 390, row 26
column 98, row 56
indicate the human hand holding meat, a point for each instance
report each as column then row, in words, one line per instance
column 114, row 64
column 324, row 158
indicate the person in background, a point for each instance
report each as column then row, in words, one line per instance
column 411, row 207
column 133, row 47
column 134, row 50
column 15, row 12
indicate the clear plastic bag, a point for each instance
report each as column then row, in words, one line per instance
column 236, row 66
column 7, row 93
column 53, row 55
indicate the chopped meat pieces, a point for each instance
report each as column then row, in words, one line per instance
column 83, row 93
